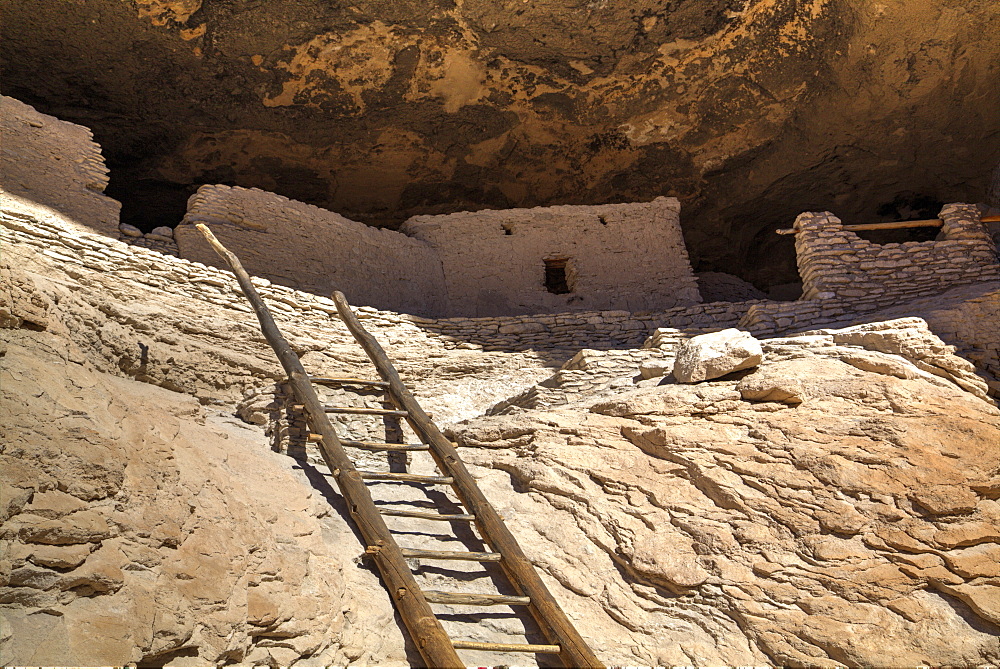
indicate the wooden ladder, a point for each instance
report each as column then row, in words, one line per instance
column 425, row 629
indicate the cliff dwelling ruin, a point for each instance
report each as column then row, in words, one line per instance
column 702, row 303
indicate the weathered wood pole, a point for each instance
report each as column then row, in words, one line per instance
column 893, row 225
column 430, row 638
column 520, row 572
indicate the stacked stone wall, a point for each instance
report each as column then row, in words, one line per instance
column 311, row 249
column 835, row 263
column 592, row 329
column 847, row 280
column 615, row 256
column 771, row 318
column 55, row 164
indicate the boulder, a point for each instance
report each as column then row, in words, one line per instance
column 716, row 354
column 163, row 231
column 130, row 230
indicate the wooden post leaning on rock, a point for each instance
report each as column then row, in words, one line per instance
column 426, row 631
column 574, row 650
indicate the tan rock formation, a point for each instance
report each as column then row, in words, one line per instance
column 853, row 526
column 837, row 505
column 716, row 354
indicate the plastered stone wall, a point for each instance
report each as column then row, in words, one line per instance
column 311, row 249
column 470, row 264
column 55, row 164
column 616, row 256
column 835, row 263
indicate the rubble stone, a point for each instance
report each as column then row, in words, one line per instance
column 716, row 354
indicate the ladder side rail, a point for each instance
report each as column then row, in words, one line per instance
column 520, row 571
column 428, row 635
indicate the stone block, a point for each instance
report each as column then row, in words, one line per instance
column 716, row 354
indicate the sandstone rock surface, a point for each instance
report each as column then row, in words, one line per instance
column 135, row 508
column 813, row 513
column 716, row 354
column 722, row 523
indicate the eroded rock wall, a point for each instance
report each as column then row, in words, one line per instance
column 137, row 527
column 135, row 509
column 842, row 522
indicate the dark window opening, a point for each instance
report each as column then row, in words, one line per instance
column 149, row 203
column 906, row 206
column 507, row 229
column 556, row 281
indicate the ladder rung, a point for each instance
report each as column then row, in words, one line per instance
column 425, row 515
column 380, row 446
column 507, row 647
column 332, row 381
column 450, row 555
column 474, row 598
column 366, row 411
column 375, row 445
column 415, row 478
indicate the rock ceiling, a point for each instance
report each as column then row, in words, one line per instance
column 750, row 111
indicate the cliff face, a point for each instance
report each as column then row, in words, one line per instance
column 749, row 111
column 837, row 505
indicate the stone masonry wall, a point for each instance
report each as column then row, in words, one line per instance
column 584, row 329
column 847, row 280
column 561, row 332
column 305, row 247
column 486, row 263
column 55, row 164
column 837, row 264
column 616, row 256
column 966, row 316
